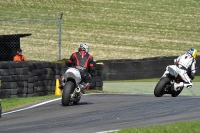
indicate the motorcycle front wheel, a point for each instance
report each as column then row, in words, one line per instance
column 66, row 93
column 159, row 90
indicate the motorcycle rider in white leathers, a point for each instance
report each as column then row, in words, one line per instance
column 185, row 66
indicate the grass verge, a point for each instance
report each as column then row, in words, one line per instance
column 117, row 29
column 12, row 103
column 178, row 127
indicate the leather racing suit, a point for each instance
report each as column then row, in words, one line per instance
column 185, row 65
column 83, row 61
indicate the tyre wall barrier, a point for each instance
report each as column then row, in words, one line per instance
column 129, row 69
column 98, row 76
column 33, row 78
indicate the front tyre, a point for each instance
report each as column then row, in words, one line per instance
column 66, row 93
column 159, row 90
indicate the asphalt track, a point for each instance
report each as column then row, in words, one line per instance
column 102, row 112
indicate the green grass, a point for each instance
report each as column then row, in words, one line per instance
column 12, row 103
column 119, row 29
column 178, row 127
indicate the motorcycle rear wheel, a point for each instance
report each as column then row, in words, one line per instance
column 159, row 89
column 66, row 93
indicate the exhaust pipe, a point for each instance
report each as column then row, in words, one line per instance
column 78, row 89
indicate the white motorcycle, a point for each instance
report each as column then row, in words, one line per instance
column 71, row 93
column 166, row 84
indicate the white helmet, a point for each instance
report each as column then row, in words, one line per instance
column 83, row 46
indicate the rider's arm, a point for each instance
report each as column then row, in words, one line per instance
column 92, row 66
column 193, row 69
column 177, row 60
column 70, row 61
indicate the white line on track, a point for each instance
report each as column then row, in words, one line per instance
column 33, row 106
column 36, row 105
column 108, row 131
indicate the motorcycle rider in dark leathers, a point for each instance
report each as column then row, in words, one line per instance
column 84, row 62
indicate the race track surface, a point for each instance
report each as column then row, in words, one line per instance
column 102, row 112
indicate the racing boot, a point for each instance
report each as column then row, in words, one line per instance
column 177, row 86
column 188, row 85
column 62, row 82
column 84, row 87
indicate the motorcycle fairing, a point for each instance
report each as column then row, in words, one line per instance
column 73, row 73
column 173, row 70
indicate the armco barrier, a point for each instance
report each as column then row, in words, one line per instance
column 129, row 69
column 32, row 78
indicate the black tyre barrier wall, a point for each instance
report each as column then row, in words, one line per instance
column 32, row 78
column 98, row 78
column 129, row 69
column 24, row 79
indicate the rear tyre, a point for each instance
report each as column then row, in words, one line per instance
column 159, row 89
column 66, row 93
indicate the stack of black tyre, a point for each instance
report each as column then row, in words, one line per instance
column 42, row 78
column 14, row 76
column 98, row 78
column 31, row 78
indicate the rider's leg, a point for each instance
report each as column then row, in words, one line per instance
column 187, row 81
column 89, row 82
column 62, row 80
